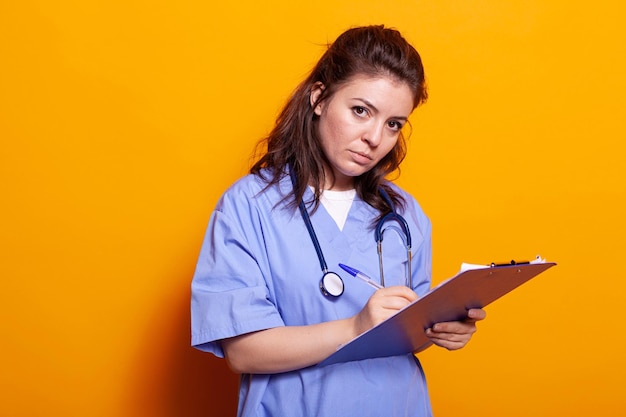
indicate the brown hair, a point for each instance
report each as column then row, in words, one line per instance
column 294, row 144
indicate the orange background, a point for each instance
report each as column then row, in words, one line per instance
column 121, row 123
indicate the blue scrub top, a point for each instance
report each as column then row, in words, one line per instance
column 258, row 269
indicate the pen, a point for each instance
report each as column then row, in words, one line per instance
column 360, row 275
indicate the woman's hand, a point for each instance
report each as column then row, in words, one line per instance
column 456, row 334
column 382, row 305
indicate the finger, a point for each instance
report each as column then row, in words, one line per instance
column 391, row 302
column 449, row 345
column 452, row 331
column 454, row 327
column 398, row 291
column 475, row 314
column 451, row 337
column 450, row 342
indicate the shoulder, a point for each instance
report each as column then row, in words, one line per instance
column 411, row 206
column 244, row 188
column 252, row 190
column 410, row 201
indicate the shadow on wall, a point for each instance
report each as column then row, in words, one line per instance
column 176, row 380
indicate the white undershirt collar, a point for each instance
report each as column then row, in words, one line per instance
column 337, row 204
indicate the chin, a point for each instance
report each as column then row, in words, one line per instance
column 352, row 173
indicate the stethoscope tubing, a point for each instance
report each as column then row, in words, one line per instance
column 309, row 226
column 378, row 236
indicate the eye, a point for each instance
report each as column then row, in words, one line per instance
column 395, row 125
column 360, row 111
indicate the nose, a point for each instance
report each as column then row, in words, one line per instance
column 374, row 134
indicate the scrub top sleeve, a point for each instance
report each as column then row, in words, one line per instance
column 229, row 295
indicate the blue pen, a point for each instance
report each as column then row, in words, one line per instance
column 360, row 275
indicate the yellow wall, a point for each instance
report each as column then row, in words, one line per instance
column 121, row 122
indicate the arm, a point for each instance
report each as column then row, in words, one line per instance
column 455, row 335
column 283, row 349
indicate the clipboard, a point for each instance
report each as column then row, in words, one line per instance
column 404, row 332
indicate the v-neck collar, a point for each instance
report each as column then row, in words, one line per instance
column 355, row 229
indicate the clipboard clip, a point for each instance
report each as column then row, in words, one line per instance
column 512, row 262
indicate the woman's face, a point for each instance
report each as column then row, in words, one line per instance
column 359, row 124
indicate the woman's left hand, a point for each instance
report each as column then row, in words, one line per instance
column 455, row 334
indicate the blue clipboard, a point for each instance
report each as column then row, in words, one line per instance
column 404, row 332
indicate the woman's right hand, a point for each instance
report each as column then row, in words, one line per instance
column 381, row 305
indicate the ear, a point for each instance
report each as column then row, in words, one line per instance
column 316, row 92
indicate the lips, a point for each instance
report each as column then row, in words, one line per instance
column 361, row 157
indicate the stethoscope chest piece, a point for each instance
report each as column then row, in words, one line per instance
column 331, row 285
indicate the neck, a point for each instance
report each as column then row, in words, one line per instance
column 339, row 183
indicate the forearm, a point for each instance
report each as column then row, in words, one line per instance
column 283, row 349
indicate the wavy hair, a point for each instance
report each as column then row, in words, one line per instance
column 294, row 143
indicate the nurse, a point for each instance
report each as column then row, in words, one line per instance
column 256, row 298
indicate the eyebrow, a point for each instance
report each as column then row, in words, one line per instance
column 369, row 104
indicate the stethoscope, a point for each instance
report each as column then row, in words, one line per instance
column 331, row 284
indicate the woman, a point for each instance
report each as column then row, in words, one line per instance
column 256, row 296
